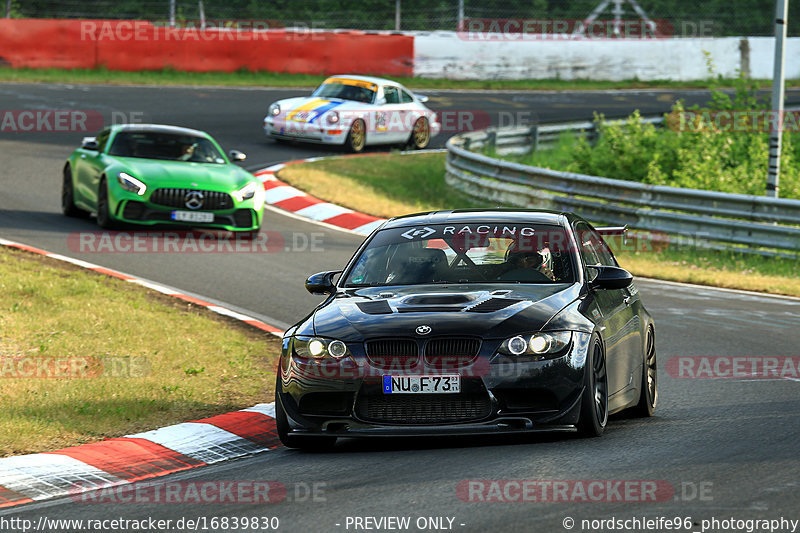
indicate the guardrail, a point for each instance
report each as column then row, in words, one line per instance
column 747, row 223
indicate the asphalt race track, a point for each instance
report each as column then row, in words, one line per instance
column 728, row 447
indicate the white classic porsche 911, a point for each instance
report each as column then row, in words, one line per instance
column 354, row 111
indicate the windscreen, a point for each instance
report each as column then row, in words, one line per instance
column 166, row 146
column 347, row 89
column 471, row 253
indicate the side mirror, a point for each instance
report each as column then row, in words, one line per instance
column 380, row 101
column 322, row 282
column 609, row 277
column 422, row 98
column 89, row 143
column 236, row 155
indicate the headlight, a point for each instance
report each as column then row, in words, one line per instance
column 317, row 348
column 542, row 343
column 333, row 117
column 274, row 110
column 246, row 192
column 131, row 184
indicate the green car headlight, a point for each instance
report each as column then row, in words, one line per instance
column 318, row 348
column 550, row 343
column 246, row 192
column 131, row 184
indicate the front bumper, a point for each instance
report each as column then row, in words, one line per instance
column 133, row 209
column 496, row 397
column 304, row 131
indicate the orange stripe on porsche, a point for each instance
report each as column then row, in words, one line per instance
column 131, row 459
column 255, row 427
column 305, row 108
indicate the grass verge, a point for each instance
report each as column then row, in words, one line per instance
column 389, row 185
column 129, row 359
column 276, row 79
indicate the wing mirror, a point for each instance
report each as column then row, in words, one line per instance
column 421, row 98
column 609, row 277
column 322, row 282
column 89, row 143
column 236, row 155
column 380, row 101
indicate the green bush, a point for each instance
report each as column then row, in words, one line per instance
column 700, row 156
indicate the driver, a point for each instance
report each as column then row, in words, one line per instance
column 187, row 151
column 528, row 265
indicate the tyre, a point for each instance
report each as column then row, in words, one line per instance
column 297, row 441
column 420, row 135
column 648, row 397
column 104, row 218
column 594, row 402
column 68, row 206
column 357, row 136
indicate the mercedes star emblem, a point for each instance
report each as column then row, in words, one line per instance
column 193, row 199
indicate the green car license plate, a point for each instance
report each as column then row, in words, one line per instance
column 192, row 216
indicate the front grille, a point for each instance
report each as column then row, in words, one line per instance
column 451, row 353
column 423, row 408
column 212, row 200
column 393, row 354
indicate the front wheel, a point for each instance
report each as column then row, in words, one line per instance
column 357, row 136
column 104, row 218
column 68, row 206
column 648, row 397
column 420, row 135
column 594, row 402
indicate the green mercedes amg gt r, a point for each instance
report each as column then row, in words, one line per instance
column 153, row 174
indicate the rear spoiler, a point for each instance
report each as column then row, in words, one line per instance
column 613, row 230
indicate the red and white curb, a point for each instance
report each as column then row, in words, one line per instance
column 163, row 289
column 284, row 196
column 39, row 476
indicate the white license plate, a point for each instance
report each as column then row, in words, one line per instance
column 433, row 384
column 192, row 216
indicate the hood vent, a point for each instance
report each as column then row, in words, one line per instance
column 491, row 305
column 376, row 307
column 438, row 299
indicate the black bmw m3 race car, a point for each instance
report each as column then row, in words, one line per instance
column 469, row 322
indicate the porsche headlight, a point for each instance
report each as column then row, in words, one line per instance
column 318, row 348
column 246, row 192
column 131, row 184
column 274, row 109
column 543, row 343
column 332, row 117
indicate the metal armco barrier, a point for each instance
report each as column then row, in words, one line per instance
column 753, row 224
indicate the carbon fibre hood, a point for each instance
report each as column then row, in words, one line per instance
column 488, row 311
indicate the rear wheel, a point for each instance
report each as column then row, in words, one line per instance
column 299, row 442
column 420, row 135
column 594, row 403
column 68, row 206
column 104, row 219
column 648, row 396
column 357, row 137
